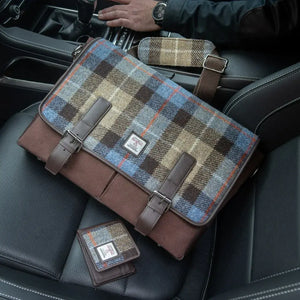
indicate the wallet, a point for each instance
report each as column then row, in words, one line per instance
column 108, row 250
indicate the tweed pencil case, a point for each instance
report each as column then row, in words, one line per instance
column 142, row 145
column 180, row 52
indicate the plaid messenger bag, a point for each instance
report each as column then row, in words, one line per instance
column 151, row 151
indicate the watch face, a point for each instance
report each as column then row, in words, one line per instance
column 159, row 11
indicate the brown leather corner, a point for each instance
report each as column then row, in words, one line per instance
column 82, row 169
column 171, row 232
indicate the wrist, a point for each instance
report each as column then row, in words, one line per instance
column 158, row 12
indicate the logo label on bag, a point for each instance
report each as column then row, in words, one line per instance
column 107, row 251
column 135, row 144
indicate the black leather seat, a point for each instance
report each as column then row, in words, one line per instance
column 255, row 253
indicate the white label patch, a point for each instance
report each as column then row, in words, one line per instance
column 107, row 251
column 135, row 144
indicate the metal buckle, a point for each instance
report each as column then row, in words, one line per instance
column 75, row 138
column 217, row 57
column 163, row 198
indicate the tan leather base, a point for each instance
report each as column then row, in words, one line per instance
column 111, row 188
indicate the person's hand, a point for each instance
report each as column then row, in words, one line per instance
column 133, row 14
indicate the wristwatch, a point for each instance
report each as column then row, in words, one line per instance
column 158, row 12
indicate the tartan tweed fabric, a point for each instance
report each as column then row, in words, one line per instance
column 178, row 52
column 105, row 235
column 168, row 117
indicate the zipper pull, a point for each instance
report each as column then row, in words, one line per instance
column 77, row 51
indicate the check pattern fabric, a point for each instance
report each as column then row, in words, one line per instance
column 178, row 52
column 170, row 119
column 123, row 246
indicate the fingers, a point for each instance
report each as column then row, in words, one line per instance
column 121, row 1
column 112, row 14
column 119, row 23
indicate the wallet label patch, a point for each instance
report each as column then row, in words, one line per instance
column 107, row 251
column 135, row 144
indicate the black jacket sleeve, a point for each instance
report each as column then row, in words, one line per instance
column 233, row 22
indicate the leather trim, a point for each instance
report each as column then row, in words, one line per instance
column 213, row 67
column 72, row 140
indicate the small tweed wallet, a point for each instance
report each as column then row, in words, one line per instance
column 108, row 249
column 178, row 52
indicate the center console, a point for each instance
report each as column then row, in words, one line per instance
column 37, row 41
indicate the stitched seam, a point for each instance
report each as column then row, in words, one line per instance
column 278, row 294
column 235, row 101
column 267, row 291
column 9, row 297
column 29, row 290
column 13, row 259
column 276, row 274
column 256, row 89
column 274, row 112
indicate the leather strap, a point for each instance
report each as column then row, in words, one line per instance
column 160, row 201
column 72, row 140
column 213, row 67
column 208, row 82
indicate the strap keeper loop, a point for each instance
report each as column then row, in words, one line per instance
column 75, row 139
column 206, row 66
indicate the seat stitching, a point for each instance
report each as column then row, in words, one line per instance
column 278, row 294
column 267, row 291
column 234, row 102
column 275, row 111
column 256, row 89
column 276, row 274
column 9, row 297
column 30, row 290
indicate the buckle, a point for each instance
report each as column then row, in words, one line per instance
column 75, row 139
column 224, row 60
column 163, row 198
